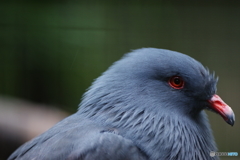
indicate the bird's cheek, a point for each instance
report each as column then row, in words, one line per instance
column 219, row 106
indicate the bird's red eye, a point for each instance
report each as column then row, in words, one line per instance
column 176, row 82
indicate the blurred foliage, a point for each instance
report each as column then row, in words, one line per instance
column 52, row 50
column 48, row 50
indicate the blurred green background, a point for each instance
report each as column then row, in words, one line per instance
column 50, row 51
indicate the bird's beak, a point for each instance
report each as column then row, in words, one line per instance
column 219, row 106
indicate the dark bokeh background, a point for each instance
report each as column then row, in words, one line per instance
column 50, row 51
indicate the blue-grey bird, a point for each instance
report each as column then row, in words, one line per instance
column 148, row 105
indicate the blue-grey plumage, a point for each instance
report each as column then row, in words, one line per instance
column 131, row 112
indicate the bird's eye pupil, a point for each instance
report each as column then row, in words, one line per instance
column 176, row 82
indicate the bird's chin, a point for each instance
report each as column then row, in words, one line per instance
column 218, row 106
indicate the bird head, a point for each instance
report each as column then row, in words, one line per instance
column 159, row 81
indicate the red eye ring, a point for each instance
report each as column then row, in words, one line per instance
column 176, row 82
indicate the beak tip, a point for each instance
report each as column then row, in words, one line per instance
column 231, row 119
column 230, row 122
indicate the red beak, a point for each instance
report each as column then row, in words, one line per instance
column 219, row 106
